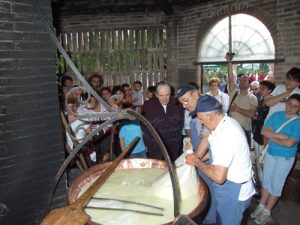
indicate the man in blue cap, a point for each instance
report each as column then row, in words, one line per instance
column 231, row 168
column 188, row 95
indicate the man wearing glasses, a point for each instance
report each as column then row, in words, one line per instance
column 254, row 89
column 188, row 97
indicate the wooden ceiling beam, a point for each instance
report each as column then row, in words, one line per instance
column 165, row 6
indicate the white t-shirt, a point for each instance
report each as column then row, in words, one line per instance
column 247, row 190
column 165, row 108
column 79, row 128
column 138, row 98
column 280, row 106
column 230, row 149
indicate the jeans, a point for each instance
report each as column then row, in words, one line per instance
column 141, row 154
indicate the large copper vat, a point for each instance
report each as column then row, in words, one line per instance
column 97, row 170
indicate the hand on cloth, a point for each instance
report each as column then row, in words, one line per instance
column 192, row 159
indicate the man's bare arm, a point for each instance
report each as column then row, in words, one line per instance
column 245, row 112
column 273, row 100
column 231, row 81
column 203, row 147
column 215, row 172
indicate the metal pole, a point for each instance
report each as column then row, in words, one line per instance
column 230, row 34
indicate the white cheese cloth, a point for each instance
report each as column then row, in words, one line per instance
column 186, row 175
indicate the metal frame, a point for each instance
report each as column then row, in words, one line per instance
column 114, row 114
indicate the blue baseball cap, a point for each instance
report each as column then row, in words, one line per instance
column 183, row 89
column 207, row 103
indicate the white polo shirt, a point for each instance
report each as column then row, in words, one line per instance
column 230, row 149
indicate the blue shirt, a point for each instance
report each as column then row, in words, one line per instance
column 129, row 131
column 292, row 130
column 197, row 132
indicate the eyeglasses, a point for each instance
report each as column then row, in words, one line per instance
column 187, row 100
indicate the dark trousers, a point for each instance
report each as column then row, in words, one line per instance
column 248, row 136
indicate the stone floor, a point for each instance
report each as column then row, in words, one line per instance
column 284, row 213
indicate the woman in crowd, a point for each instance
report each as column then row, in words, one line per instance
column 265, row 89
column 214, row 85
column 280, row 156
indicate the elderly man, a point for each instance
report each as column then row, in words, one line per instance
column 254, row 89
column 167, row 118
column 231, row 169
column 188, row 96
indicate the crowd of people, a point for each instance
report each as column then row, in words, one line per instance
column 224, row 124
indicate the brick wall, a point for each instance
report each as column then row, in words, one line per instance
column 280, row 17
column 102, row 21
column 31, row 149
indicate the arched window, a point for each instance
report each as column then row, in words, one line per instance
column 246, row 37
column 251, row 40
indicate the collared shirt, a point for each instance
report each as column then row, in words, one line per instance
column 138, row 98
column 230, row 149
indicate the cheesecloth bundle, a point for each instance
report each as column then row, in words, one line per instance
column 186, row 175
